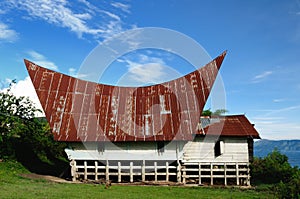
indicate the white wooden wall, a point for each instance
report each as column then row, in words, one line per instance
column 197, row 161
column 125, row 151
column 202, row 150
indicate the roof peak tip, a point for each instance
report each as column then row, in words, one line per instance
column 27, row 62
column 220, row 58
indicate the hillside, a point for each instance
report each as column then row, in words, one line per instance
column 291, row 148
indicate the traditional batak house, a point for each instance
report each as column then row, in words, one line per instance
column 151, row 133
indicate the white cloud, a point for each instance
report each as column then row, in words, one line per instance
column 145, row 70
column 62, row 14
column 25, row 88
column 279, row 100
column 122, row 6
column 283, row 110
column 72, row 72
column 279, row 123
column 147, row 74
column 7, row 34
column 130, row 41
column 262, row 76
column 41, row 60
column 278, row 130
column 150, row 73
column 111, row 22
column 113, row 16
column 56, row 12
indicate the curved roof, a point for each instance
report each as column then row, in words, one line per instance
column 79, row 110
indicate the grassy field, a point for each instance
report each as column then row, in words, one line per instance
column 12, row 185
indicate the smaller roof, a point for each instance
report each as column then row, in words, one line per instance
column 231, row 125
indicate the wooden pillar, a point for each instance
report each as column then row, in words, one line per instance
column 131, row 171
column 184, row 174
column 248, row 175
column 155, row 171
column 107, row 171
column 96, row 170
column 178, row 171
column 119, row 172
column 178, row 163
column 167, row 171
column 73, row 170
column 143, row 171
column 225, row 174
column 211, row 174
column 237, row 174
column 200, row 180
column 85, row 170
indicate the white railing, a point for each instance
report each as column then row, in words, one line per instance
column 211, row 173
column 235, row 173
column 119, row 170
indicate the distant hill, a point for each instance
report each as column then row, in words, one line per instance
column 290, row 148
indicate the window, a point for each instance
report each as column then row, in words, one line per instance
column 219, row 148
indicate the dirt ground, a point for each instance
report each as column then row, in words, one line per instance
column 44, row 177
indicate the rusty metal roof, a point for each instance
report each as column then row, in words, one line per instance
column 79, row 110
column 232, row 125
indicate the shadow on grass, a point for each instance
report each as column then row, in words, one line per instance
column 54, row 166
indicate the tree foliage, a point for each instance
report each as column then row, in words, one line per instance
column 15, row 116
column 20, row 128
column 274, row 169
column 206, row 112
column 271, row 169
column 217, row 112
column 14, row 113
column 220, row 112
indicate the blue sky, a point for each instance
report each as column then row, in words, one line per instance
column 260, row 73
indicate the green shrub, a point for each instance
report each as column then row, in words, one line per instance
column 274, row 169
column 271, row 169
column 22, row 135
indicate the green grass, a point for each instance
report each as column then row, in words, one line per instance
column 14, row 186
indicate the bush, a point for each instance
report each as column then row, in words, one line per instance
column 22, row 136
column 274, row 169
column 288, row 190
column 271, row 169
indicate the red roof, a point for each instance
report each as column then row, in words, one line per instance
column 79, row 110
column 233, row 125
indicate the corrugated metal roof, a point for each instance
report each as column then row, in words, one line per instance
column 79, row 110
column 232, row 125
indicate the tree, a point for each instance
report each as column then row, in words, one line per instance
column 217, row 112
column 206, row 112
column 220, row 112
column 20, row 129
column 15, row 113
column 274, row 169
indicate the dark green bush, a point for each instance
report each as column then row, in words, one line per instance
column 21, row 134
column 274, row 169
column 271, row 169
